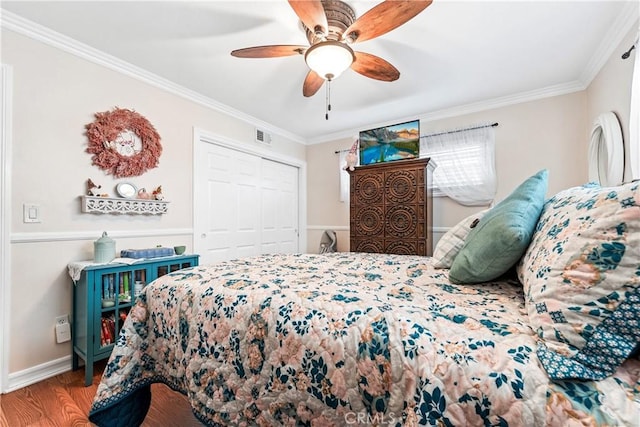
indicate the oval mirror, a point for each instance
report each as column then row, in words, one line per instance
column 606, row 151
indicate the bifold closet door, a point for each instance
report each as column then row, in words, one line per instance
column 279, row 221
column 244, row 204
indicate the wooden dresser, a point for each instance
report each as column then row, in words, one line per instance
column 391, row 208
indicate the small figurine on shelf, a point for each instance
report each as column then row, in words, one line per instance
column 142, row 194
column 352, row 157
column 94, row 189
column 157, row 193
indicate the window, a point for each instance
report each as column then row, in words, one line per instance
column 465, row 161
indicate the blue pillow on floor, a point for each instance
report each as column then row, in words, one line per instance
column 502, row 235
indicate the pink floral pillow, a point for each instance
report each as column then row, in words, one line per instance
column 582, row 264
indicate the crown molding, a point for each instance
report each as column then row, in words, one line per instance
column 20, row 25
column 505, row 101
column 619, row 29
column 489, row 104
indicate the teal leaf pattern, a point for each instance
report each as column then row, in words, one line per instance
column 607, row 256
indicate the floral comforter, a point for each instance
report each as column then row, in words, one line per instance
column 346, row 339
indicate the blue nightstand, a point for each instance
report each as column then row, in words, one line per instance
column 102, row 298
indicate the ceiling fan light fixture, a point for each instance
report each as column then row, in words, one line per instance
column 329, row 58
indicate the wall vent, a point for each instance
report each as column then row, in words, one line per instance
column 263, row 137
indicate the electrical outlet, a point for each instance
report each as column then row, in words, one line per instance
column 63, row 329
column 61, row 320
column 63, row 333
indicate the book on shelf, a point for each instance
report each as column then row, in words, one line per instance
column 108, row 326
column 108, row 330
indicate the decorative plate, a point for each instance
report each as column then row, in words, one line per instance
column 126, row 190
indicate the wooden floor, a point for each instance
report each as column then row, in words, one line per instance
column 64, row 401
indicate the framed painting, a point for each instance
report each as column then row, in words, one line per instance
column 388, row 143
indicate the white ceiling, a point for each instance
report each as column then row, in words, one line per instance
column 454, row 54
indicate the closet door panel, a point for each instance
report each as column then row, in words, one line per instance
column 244, row 204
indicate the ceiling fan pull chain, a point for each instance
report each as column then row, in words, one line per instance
column 328, row 100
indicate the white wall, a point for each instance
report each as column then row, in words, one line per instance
column 610, row 91
column 548, row 133
column 324, row 209
column 55, row 94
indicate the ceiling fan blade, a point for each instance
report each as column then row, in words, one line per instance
column 312, row 83
column 271, row 51
column 374, row 67
column 311, row 13
column 383, row 18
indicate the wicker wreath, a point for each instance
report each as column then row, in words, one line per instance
column 123, row 143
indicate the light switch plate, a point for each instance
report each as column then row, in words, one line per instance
column 31, row 212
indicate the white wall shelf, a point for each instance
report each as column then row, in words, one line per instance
column 91, row 204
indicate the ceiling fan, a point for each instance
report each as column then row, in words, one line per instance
column 331, row 27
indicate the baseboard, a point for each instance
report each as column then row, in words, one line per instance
column 20, row 379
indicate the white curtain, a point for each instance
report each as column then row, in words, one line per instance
column 465, row 165
column 344, row 176
column 634, row 117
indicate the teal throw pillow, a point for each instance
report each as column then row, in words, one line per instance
column 502, row 235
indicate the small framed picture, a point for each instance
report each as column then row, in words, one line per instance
column 388, row 143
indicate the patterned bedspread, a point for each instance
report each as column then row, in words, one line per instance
column 346, row 339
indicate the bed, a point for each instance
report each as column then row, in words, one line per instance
column 379, row 339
